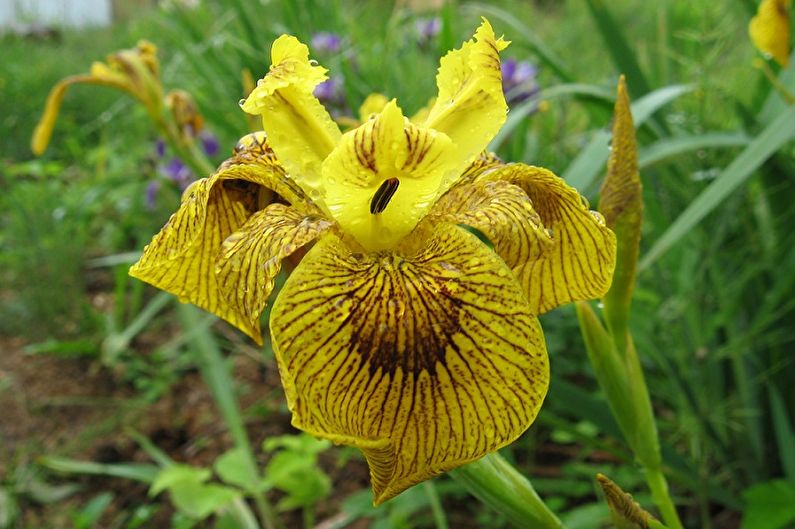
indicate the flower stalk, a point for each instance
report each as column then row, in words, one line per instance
column 498, row 484
column 611, row 349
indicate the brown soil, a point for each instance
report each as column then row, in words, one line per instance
column 75, row 408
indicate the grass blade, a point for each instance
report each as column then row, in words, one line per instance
column 670, row 147
column 134, row 471
column 619, row 49
column 754, row 155
column 784, row 432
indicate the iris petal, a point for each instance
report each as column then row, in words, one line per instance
column 250, row 259
column 471, row 106
column 424, row 359
column 299, row 128
column 386, row 147
column 504, row 213
column 181, row 257
column 543, row 229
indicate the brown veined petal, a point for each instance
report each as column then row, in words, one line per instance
column 386, row 152
column 575, row 262
column 253, row 160
column 250, row 259
column 504, row 214
column 425, row 359
column 181, row 257
column 484, row 163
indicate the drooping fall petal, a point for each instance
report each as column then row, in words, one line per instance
column 425, row 359
column 502, row 212
column 470, row 107
column 250, row 258
column 299, row 128
column 559, row 250
column 181, row 259
column 770, row 29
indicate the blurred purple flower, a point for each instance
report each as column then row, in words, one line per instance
column 160, row 147
column 151, row 193
column 178, row 172
column 427, row 29
column 326, row 43
column 210, row 142
column 518, row 80
column 330, row 91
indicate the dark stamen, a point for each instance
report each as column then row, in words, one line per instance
column 383, row 195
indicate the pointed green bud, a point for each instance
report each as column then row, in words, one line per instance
column 621, row 203
column 625, row 511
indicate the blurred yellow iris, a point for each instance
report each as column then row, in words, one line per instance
column 770, row 30
column 400, row 332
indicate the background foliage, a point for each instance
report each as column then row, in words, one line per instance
column 149, row 393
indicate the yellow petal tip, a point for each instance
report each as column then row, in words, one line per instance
column 290, row 66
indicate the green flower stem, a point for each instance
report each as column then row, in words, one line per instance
column 187, row 152
column 662, row 498
column 439, row 518
column 499, row 485
column 216, row 375
column 620, row 376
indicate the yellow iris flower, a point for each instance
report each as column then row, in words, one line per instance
column 135, row 71
column 399, row 332
column 770, row 30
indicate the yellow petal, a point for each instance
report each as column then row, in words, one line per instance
column 387, row 148
column 421, row 115
column 502, row 212
column 44, row 128
column 181, row 257
column 425, row 360
column 470, row 107
column 770, row 30
column 253, row 158
column 572, row 259
column 250, row 259
column 132, row 71
column 299, row 128
column 373, row 104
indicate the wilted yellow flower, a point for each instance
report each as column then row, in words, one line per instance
column 134, row 71
column 770, row 30
column 400, row 332
column 185, row 112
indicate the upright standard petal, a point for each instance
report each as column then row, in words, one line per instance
column 471, row 106
column 299, row 128
column 383, row 177
column 425, row 359
column 181, row 258
column 559, row 249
